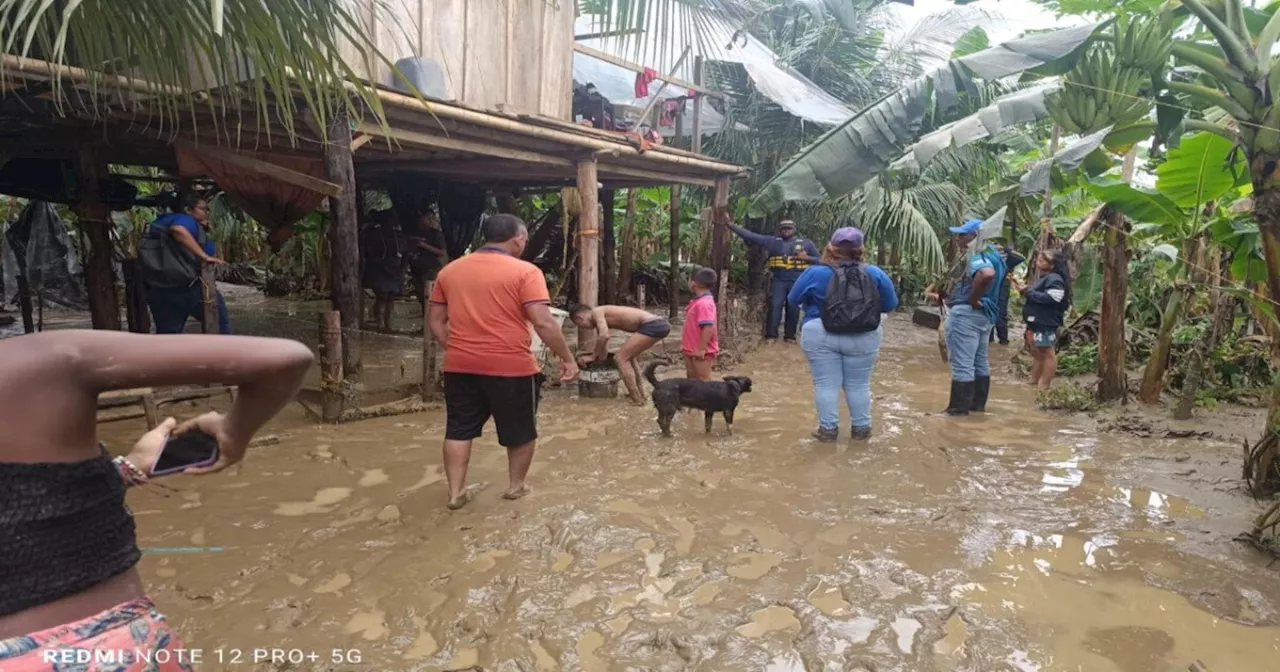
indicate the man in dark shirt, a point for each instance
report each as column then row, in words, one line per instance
column 427, row 253
column 1012, row 260
column 789, row 256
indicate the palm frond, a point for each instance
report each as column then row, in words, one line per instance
column 273, row 58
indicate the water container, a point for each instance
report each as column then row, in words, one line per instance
column 425, row 74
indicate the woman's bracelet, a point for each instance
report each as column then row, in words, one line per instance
column 130, row 473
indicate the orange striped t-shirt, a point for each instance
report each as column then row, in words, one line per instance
column 486, row 293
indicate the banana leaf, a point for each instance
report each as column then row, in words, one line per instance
column 848, row 155
column 1197, row 171
column 1036, row 179
column 1139, row 205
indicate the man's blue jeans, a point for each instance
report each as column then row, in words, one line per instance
column 170, row 309
column 779, row 287
column 968, row 333
column 840, row 362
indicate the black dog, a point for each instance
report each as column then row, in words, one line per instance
column 709, row 396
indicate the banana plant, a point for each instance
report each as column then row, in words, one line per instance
column 1197, row 175
column 1231, row 49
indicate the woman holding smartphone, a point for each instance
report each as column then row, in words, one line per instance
column 68, row 550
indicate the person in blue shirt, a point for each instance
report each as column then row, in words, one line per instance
column 840, row 361
column 789, row 256
column 972, row 304
column 172, row 306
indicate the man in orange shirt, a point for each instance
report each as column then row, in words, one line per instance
column 481, row 308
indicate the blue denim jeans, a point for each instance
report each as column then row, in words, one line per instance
column 171, row 308
column 840, row 362
column 779, row 287
column 968, row 333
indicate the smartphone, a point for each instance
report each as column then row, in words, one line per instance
column 181, row 451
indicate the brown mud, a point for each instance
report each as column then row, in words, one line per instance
column 1016, row 540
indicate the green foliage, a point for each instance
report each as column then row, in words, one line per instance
column 1078, row 359
column 1070, row 397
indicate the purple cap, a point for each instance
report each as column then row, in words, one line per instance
column 847, row 236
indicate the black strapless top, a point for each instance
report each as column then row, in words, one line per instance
column 63, row 528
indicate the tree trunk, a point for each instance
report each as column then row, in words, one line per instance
column 1262, row 467
column 1113, row 384
column 344, row 239
column 758, row 257
column 626, row 258
column 1223, row 314
column 1153, row 374
column 609, row 260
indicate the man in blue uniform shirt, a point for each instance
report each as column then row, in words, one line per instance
column 789, row 256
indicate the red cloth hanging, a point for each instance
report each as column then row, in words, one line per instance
column 667, row 118
column 642, row 82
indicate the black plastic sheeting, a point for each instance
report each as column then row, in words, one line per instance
column 38, row 246
column 54, row 180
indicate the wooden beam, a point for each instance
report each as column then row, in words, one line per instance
column 272, row 170
column 588, row 241
column 621, row 63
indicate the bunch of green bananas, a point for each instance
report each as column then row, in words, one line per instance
column 1097, row 93
column 1142, row 43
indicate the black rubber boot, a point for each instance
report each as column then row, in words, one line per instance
column 961, row 398
column 861, row 433
column 826, row 435
column 981, row 388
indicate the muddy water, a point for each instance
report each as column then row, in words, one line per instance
column 1016, row 541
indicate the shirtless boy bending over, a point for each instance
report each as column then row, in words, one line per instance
column 646, row 330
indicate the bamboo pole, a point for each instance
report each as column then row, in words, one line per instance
column 588, row 241
column 577, row 137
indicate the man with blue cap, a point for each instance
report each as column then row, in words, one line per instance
column 972, row 302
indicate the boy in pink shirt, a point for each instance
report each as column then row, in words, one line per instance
column 700, row 338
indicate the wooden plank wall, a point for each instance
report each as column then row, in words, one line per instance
column 510, row 55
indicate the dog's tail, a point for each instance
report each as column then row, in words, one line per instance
column 651, row 372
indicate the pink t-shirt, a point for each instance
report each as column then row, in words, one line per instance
column 700, row 312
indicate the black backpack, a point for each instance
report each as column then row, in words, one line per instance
column 852, row 304
column 164, row 262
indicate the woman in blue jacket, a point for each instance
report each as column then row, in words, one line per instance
column 845, row 360
column 1045, row 305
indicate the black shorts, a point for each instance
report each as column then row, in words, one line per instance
column 471, row 399
column 658, row 329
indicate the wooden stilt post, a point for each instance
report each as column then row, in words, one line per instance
column 344, row 238
column 673, row 272
column 609, row 266
column 331, row 365
column 95, row 221
column 588, row 241
column 430, row 366
column 24, row 301
column 209, row 298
